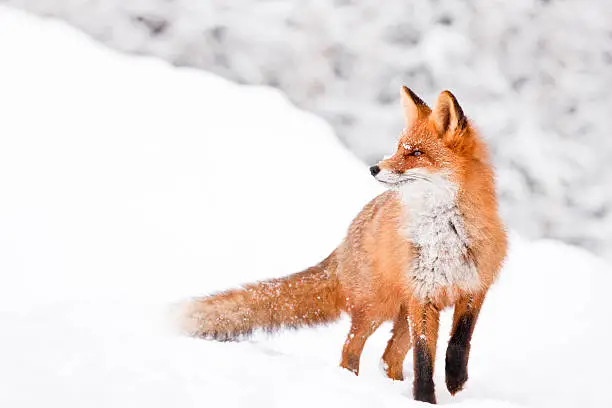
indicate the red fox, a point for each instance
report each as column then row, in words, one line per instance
column 433, row 240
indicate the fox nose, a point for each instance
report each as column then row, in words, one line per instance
column 374, row 170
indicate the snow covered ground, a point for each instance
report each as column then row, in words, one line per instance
column 127, row 185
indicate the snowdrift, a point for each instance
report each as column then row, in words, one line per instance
column 127, row 185
column 535, row 76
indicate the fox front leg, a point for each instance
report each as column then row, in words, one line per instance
column 458, row 351
column 425, row 320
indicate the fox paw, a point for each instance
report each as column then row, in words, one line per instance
column 351, row 363
column 455, row 380
column 456, row 369
column 393, row 371
column 425, row 393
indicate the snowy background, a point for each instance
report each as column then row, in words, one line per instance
column 535, row 75
column 128, row 184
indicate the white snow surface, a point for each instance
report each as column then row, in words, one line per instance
column 128, row 185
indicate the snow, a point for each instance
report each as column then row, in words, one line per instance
column 128, row 185
column 533, row 74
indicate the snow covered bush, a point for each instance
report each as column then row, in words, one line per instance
column 534, row 75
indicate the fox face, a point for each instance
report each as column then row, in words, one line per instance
column 435, row 147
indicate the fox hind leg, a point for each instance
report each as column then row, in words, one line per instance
column 398, row 346
column 362, row 327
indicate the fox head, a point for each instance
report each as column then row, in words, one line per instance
column 436, row 147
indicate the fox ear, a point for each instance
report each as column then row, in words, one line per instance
column 413, row 106
column 447, row 114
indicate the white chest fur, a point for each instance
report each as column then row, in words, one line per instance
column 435, row 227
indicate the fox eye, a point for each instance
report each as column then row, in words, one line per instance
column 416, row 153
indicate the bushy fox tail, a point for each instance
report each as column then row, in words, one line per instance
column 307, row 298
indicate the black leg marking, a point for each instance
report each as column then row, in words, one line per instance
column 457, row 355
column 424, row 389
